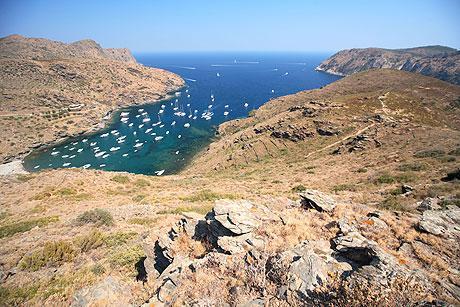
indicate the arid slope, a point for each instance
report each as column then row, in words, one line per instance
column 50, row 90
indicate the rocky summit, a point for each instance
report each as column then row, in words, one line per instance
column 434, row 61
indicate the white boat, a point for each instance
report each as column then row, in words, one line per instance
column 163, row 106
column 273, row 91
column 148, row 130
column 146, row 120
column 167, row 132
column 114, row 148
column 173, row 123
column 54, row 153
column 101, row 153
column 161, row 111
column 72, row 156
column 161, row 126
column 159, row 173
column 225, row 113
column 124, row 155
column 218, row 74
column 104, row 135
column 101, row 165
column 114, row 131
column 246, row 104
column 138, row 115
column 158, row 138
column 65, row 156
column 138, row 145
column 179, row 136
column 74, row 143
column 124, row 120
column 186, row 125
column 140, row 126
column 86, row 166
column 210, row 106
column 80, row 150
column 130, row 125
column 121, row 141
column 124, row 113
column 36, row 166
column 226, row 106
column 93, row 144
column 85, row 140
column 177, row 152
column 66, row 164
column 105, row 156
column 140, row 110
column 188, row 96
column 144, row 113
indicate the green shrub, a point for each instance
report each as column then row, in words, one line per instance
column 207, row 195
column 53, row 253
column 142, row 183
column 118, row 238
column 415, row 167
column 90, row 241
column 431, row 153
column 392, row 203
column 17, row 296
column 120, row 179
column 127, row 256
column 362, row 170
column 97, row 216
column 298, row 188
column 455, row 152
column 344, row 187
column 98, row 269
column 23, row 226
column 385, row 179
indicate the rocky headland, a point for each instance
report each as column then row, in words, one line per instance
column 51, row 90
column 434, row 61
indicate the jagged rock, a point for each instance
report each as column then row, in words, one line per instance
column 406, row 189
column 441, row 222
column 429, row 203
column 257, row 302
column 295, row 134
column 310, row 264
column 326, row 128
column 109, row 292
column 234, row 216
column 239, row 244
column 317, row 200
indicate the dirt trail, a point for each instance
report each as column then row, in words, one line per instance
column 341, row 140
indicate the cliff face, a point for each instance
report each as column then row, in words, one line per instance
column 17, row 46
column 50, row 90
column 435, row 61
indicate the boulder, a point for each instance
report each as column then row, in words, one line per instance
column 441, row 222
column 317, row 200
column 429, row 203
column 235, row 216
column 239, row 244
column 108, row 292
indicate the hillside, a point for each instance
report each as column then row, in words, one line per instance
column 434, row 61
column 344, row 196
column 51, row 90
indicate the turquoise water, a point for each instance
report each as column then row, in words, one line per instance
column 161, row 138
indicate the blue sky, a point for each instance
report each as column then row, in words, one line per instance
column 237, row 25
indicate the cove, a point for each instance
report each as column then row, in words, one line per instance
column 161, row 138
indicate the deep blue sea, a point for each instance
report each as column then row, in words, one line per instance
column 161, row 138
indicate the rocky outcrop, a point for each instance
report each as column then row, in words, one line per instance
column 441, row 222
column 317, row 200
column 108, row 292
column 435, row 61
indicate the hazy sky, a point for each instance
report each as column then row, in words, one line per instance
column 212, row 25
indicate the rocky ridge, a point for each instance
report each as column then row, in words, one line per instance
column 434, row 61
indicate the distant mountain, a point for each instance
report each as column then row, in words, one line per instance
column 17, row 46
column 436, row 61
